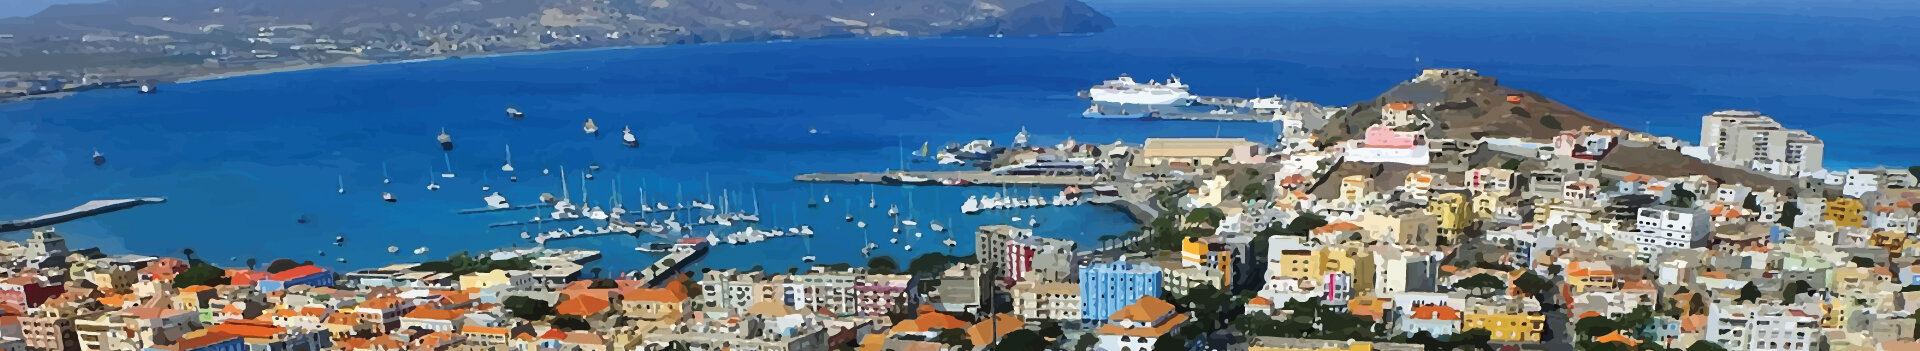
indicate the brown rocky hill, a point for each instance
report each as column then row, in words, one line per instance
column 1465, row 105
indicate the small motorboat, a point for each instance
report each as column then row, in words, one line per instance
column 393, row 249
column 590, row 128
column 626, row 137
column 98, row 158
column 515, row 113
column 420, row 251
column 388, row 197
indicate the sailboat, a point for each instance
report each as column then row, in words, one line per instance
column 446, row 140
column 590, row 128
column 343, row 184
column 484, row 186
column 496, row 201
column 918, row 155
column 826, row 198
column 430, row 184
column 809, row 257
column 388, row 197
column 508, row 166
column 384, row 179
column 871, row 202
column 810, row 202
column 626, row 136
column 449, row 172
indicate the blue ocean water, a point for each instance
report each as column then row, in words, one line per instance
column 241, row 159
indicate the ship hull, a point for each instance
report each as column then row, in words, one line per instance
column 1139, row 97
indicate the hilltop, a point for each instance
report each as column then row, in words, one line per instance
column 1465, row 105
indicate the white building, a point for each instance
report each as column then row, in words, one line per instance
column 1664, row 227
column 1859, row 183
column 1748, row 139
column 1763, row 328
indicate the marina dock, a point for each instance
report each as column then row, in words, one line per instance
column 972, row 178
column 88, row 209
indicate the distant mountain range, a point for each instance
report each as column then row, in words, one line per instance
column 161, row 39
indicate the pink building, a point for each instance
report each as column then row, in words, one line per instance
column 1382, row 136
column 27, row 291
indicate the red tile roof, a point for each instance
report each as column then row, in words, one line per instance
column 246, row 328
column 297, row 273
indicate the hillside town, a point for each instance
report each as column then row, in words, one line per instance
column 1399, row 239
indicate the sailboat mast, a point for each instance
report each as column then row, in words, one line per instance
column 564, row 194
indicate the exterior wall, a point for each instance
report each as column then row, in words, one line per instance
column 1108, row 287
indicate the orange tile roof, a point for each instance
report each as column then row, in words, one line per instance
column 195, row 289
column 428, row 313
column 1260, row 301
column 483, row 330
column 1150, row 332
column 583, row 303
column 296, row 273
column 1436, row 312
column 987, row 331
column 191, row 343
column 673, row 292
column 381, row 303
column 1616, row 337
column 1343, row 225
column 1145, row 309
column 246, row 328
column 928, row 321
column 1400, row 106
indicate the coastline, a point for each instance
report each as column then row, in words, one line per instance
column 358, row 62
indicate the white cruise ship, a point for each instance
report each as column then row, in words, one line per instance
column 1125, row 90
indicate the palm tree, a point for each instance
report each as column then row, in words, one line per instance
column 189, row 253
column 596, row 272
column 252, row 262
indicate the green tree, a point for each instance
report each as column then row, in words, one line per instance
column 1794, row 289
column 1086, row 342
column 1511, row 164
column 954, row 337
column 1206, row 216
column 1022, row 340
column 1592, row 327
column 1532, row 284
column 1170, row 342
column 1255, row 191
column 251, row 262
column 1748, row 293
column 571, row 323
column 1682, row 198
column 527, row 308
column 200, row 273
column 1752, row 203
column 1051, row 330
column 1481, row 284
column 1704, row 345
column 929, row 265
column 1788, row 212
column 1915, row 171
column 1550, row 122
column 882, row 265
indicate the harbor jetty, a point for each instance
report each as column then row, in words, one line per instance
column 683, row 253
column 948, row 178
column 88, row 209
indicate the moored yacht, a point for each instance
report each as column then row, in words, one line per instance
column 590, row 128
column 514, row 113
column 626, row 137
column 446, row 140
column 98, row 158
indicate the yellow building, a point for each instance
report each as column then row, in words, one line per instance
column 483, row 280
column 1191, row 151
column 1354, row 260
column 1355, row 187
column 1454, row 212
column 1508, row 327
column 1845, row 212
column 1296, row 259
column 1198, row 252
